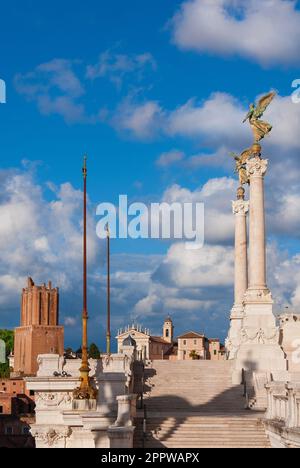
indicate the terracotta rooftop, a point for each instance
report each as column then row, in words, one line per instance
column 191, row 335
column 158, row 339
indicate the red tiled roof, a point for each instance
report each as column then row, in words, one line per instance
column 159, row 339
column 191, row 335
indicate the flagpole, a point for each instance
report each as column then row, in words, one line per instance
column 85, row 392
column 108, row 330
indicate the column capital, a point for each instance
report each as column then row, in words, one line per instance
column 257, row 167
column 240, row 207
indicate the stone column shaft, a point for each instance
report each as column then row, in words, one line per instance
column 240, row 209
column 257, row 169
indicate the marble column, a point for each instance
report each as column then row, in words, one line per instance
column 240, row 209
column 257, row 169
column 259, row 351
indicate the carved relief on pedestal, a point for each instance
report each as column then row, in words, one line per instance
column 232, row 346
column 55, row 399
column 267, row 336
column 51, row 438
column 257, row 167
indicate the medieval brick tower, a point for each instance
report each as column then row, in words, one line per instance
column 39, row 332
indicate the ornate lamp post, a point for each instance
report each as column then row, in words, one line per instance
column 108, row 332
column 85, row 391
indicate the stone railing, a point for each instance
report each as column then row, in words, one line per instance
column 283, row 414
column 284, row 403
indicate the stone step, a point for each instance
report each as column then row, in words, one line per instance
column 207, row 410
column 216, row 445
column 206, row 437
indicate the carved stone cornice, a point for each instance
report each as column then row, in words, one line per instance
column 257, row 167
column 240, row 207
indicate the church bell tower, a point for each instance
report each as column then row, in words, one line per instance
column 168, row 330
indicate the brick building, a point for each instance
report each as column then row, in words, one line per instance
column 194, row 345
column 192, row 342
column 16, row 414
column 216, row 351
column 15, row 432
column 14, row 398
column 39, row 332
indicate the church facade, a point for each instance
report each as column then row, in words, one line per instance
column 189, row 346
column 149, row 347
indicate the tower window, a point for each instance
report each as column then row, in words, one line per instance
column 167, row 333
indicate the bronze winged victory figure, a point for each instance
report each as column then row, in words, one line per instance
column 241, row 161
column 259, row 127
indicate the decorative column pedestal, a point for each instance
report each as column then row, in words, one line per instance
column 65, row 422
column 240, row 209
column 259, row 352
column 122, row 432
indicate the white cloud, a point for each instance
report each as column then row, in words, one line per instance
column 211, row 266
column 142, row 121
column 170, row 158
column 285, row 118
column 70, row 322
column 266, row 31
column 117, row 66
column 40, row 238
column 216, row 195
column 215, row 122
column 218, row 119
column 56, row 89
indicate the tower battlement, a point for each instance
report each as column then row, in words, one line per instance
column 39, row 331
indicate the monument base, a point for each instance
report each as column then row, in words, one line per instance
column 233, row 340
column 259, row 351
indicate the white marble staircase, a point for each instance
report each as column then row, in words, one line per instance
column 193, row 404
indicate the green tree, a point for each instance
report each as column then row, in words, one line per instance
column 4, row 371
column 194, row 355
column 8, row 337
column 94, row 352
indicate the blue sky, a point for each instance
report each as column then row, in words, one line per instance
column 132, row 84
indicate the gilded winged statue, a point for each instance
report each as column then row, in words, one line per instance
column 241, row 161
column 259, row 127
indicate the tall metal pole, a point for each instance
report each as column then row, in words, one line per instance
column 85, row 392
column 108, row 331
